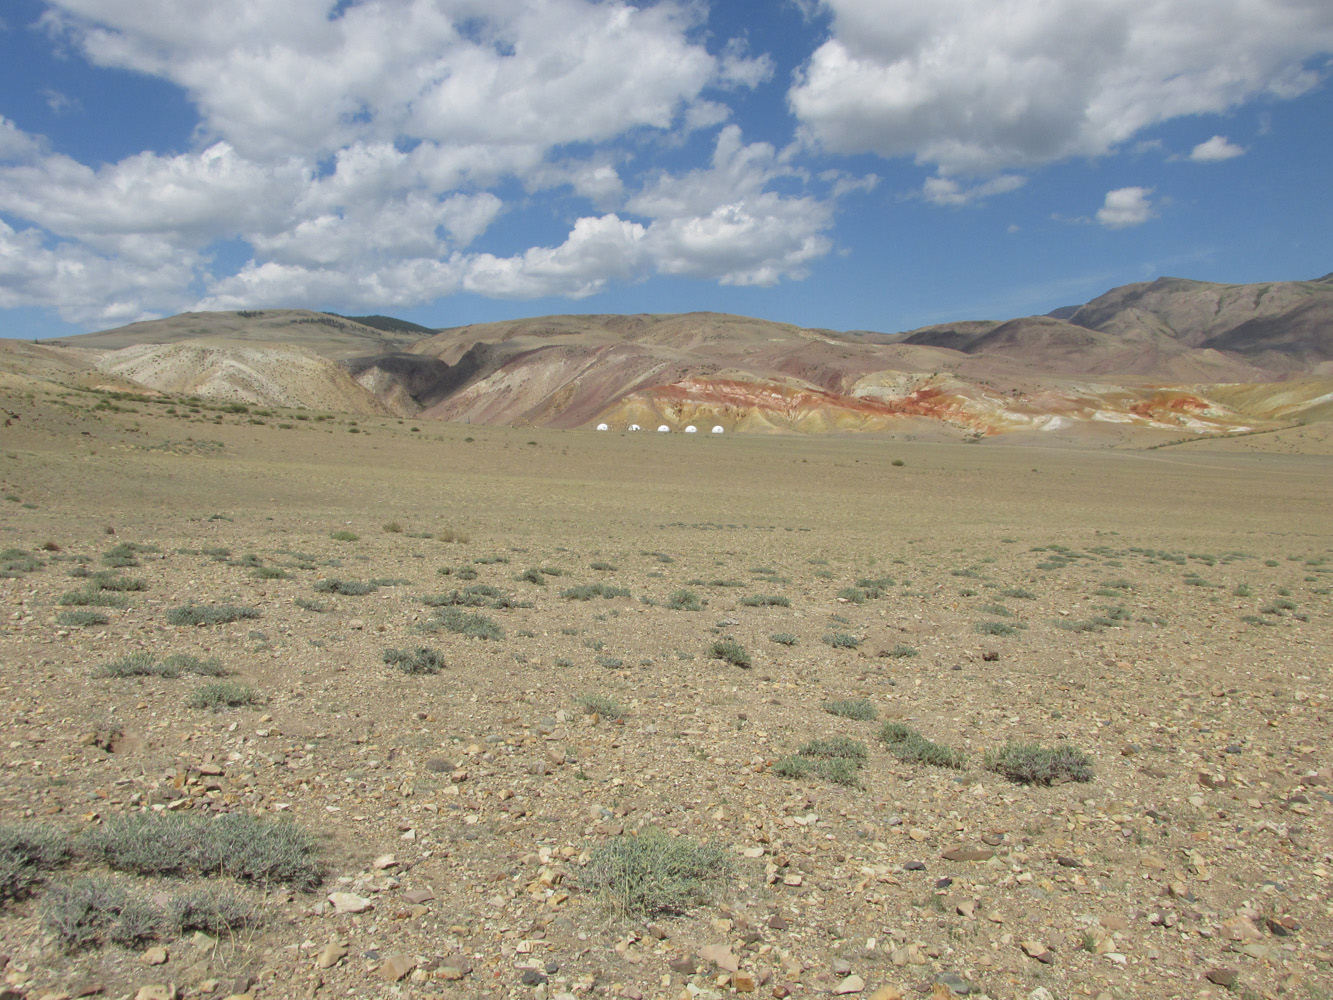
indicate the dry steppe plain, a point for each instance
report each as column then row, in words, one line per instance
column 1166, row 611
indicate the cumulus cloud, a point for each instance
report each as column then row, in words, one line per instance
column 724, row 222
column 1126, row 207
column 15, row 144
column 975, row 86
column 86, row 287
column 1216, row 148
column 947, row 191
column 297, row 79
column 363, row 150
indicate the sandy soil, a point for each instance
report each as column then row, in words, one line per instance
column 1166, row 611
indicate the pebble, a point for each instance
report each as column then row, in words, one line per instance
column 721, row 956
column 330, row 956
column 395, row 967
column 954, row 983
column 852, row 984
column 968, row 854
column 350, row 902
column 154, row 956
column 1223, row 977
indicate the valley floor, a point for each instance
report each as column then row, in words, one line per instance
column 1167, row 612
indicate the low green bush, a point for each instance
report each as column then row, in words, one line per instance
column 92, row 912
column 653, row 873
column 81, row 618
column 907, row 744
column 587, row 591
column 841, row 640
column 731, row 652
column 239, row 845
column 93, row 598
column 858, row 709
column 28, row 851
column 1032, row 764
column 223, row 694
column 143, row 664
column 348, row 588
column 209, row 614
column 683, row 600
column 765, row 601
column 600, row 704
column 476, row 625
column 421, row 660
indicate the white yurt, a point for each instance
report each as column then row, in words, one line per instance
column 717, row 429
column 664, row 429
column 691, row 429
column 603, row 427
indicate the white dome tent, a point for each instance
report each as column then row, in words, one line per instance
column 664, row 429
column 603, row 427
column 717, row 429
column 635, row 427
column 691, row 429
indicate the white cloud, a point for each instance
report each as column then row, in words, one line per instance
column 596, row 251
column 288, row 79
column 977, row 86
column 739, row 69
column 1125, row 207
column 1216, row 148
column 86, row 287
column 947, row 191
column 15, row 144
column 724, row 223
column 361, row 150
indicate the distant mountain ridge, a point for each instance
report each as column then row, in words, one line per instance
column 1151, row 355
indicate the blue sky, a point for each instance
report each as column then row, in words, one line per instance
column 852, row 164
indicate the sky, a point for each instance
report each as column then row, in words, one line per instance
column 846, row 164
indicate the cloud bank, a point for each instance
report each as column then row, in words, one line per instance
column 978, row 86
column 372, row 154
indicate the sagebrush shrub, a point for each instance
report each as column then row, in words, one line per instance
column 653, row 873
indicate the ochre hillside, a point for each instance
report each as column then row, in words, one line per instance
column 1166, row 357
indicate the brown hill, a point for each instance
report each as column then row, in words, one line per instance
column 1162, row 356
column 327, row 335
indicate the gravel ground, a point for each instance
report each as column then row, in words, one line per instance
column 1167, row 613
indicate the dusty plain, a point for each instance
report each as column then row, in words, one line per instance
column 1168, row 612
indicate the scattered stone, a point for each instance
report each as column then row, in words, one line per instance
column 350, row 902
column 721, row 956
column 330, row 956
column 968, row 854
column 852, row 984
column 1226, row 978
column 531, row 977
column 744, row 982
column 453, row 971
column 396, row 967
column 954, row 983
column 886, row 993
column 156, row 991
column 1038, row 951
column 156, row 955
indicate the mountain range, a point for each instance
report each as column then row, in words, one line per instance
column 1171, row 355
